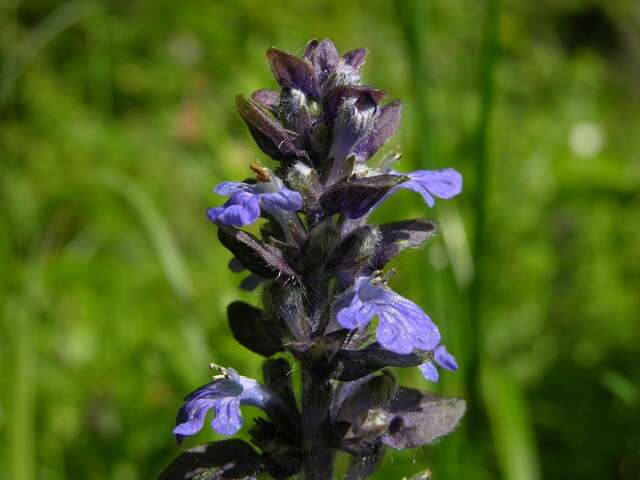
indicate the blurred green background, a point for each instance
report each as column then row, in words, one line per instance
column 116, row 119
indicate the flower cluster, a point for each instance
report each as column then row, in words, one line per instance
column 323, row 268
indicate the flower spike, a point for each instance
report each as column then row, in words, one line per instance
column 322, row 272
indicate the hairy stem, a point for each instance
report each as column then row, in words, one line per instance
column 316, row 427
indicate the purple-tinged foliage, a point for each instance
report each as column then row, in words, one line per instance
column 269, row 99
column 226, row 459
column 320, row 268
column 263, row 259
column 294, row 73
column 352, row 364
column 397, row 236
column 355, row 58
column 354, row 198
column 416, row 418
column 272, row 137
column 385, row 125
column 253, row 331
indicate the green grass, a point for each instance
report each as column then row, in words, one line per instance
column 115, row 123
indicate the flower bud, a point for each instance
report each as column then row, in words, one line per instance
column 305, row 180
column 356, row 251
column 297, row 111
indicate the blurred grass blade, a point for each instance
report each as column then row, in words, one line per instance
column 160, row 235
column 620, row 386
column 21, row 432
column 481, row 175
column 53, row 25
column 456, row 243
column 413, row 19
column 512, row 430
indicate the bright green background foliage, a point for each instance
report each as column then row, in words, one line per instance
column 117, row 119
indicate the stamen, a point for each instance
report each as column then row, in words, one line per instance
column 262, row 173
column 223, row 371
column 387, row 275
column 381, row 278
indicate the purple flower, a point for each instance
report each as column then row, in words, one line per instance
column 361, row 127
column 354, row 117
column 246, row 201
column 330, row 68
column 446, row 183
column 443, row 359
column 403, row 326
column 224, row 395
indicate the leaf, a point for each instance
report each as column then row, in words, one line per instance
column 353, row 364
column 260, row 258
column 355, row 197
column 269, row 99
column 356, row 251
column 272, row 138
column 511, row 425
column 397, row 236
column 278, row 375
column 278, row 444
column 362, row 396
column 227, row 459
column 325, row 59
column 355, row 58
column 361, row 466
column 310, row 49
column 252, row 331
column 293, row 72
column 416, row 418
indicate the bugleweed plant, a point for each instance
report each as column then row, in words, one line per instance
column 323, row 273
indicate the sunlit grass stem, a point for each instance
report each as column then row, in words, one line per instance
column 481, row 176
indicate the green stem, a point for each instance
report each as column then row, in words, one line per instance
column 21, row 437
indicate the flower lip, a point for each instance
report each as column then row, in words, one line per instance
column 440, row 357
column 445, row 184
column 247, row 201
column 224, row 394
column 402, row 327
